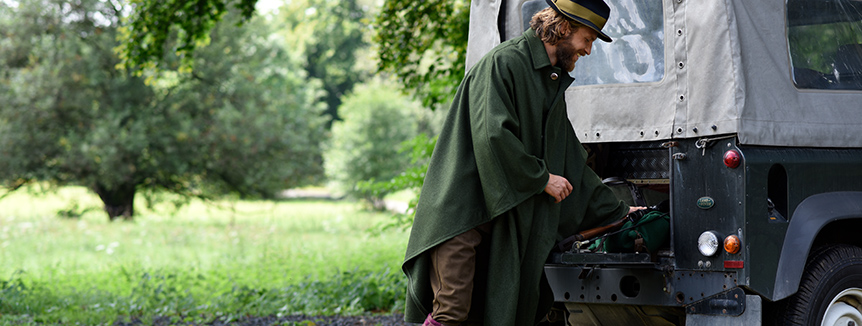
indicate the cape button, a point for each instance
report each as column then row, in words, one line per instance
column 554, row 76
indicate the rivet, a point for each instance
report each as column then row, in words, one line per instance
column 708, row 264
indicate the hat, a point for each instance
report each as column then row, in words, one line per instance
column 592, row 13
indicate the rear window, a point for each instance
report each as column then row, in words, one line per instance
column 636, row 54
column 825, row 43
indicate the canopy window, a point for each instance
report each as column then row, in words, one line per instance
column 825, row 41
column 637, row 53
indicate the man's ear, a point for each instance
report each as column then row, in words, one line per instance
column 565, row 29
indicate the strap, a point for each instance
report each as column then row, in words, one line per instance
column 637, row 195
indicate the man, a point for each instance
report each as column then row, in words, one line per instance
column 507, row 179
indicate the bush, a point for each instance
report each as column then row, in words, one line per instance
column 419, row 150
column 365, row 145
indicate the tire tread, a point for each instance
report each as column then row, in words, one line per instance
column 798, row 309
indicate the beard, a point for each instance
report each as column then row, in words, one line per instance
column 566, row 56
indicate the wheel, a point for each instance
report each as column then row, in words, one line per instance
column 830, row 292
column 844, row 308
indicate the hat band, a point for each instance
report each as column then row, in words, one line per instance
column 571, row 8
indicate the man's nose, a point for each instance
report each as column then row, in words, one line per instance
column 589, row 48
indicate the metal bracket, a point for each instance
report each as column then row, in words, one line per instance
column 728, row 303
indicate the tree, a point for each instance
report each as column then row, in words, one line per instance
column 331, row 37
column 365, row 145
column 147, row 36
column 329, row 34
column 424, row 43
column 243, row 121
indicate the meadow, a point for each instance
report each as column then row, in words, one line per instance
column 202, row 262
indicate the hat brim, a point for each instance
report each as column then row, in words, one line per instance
column 602, row 36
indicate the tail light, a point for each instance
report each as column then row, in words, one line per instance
column 732, row 244
column 732, row 158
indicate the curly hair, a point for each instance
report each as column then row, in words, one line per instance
column 551, row 26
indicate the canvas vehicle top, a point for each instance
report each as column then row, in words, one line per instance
column 771, row 73
column 740, row 115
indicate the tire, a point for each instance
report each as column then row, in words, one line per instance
column 830, row 292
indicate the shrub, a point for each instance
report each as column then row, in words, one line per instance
column 365, row 145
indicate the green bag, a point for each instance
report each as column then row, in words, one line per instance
column 650, row 233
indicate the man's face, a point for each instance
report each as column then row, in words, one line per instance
column 577, row 44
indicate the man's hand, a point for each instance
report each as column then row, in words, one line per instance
column 558, row 187
column 639, row 212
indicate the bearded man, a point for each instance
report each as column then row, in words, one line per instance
column 507, row 179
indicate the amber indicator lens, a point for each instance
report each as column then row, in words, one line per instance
column 731, row 244
column 732, row 158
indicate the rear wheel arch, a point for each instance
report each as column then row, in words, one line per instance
column 821, row 219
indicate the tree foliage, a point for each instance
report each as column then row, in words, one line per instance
column 328, row 34
column 424, row 43
column 244, row 121
column 331, row 37
column 152, row 23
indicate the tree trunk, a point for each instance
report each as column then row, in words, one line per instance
column 119, row 200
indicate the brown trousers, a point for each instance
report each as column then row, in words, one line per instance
column 458, row 269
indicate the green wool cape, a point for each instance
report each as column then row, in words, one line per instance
column 506, row 130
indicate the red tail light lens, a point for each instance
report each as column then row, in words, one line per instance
column 732, row 158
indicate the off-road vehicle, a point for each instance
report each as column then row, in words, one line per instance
column 746, row 117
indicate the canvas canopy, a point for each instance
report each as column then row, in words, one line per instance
column 773, row 72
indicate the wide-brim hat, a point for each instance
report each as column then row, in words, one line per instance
column 591, row 13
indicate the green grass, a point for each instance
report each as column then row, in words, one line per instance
column 201, row 262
